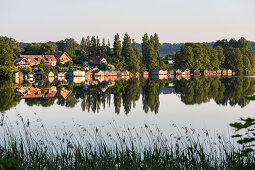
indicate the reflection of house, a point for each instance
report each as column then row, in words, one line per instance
column 77, row 80
column 62, row 57
column 51, row 92
column 122, row 73
column 29, row 76
column 34, row 60
column 60, row 76
column 19, row 77
column 31, row 92
column 159, row 76
column 88, row 74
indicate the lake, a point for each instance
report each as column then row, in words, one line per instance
column 201, row 103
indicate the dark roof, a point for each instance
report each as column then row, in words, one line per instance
column 97, row 59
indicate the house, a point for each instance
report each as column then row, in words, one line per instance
column 106, row 72
column 145, row 74
column 218, row 72
column 97, row 73
column 229, row 72
column 113, row 73
column 76, row 73
column 19, row 77
column 98, row 59
column 195, row 72
column 185, row 72
column 62, row 57
column 159, row 72
column 174, row 72
column 34, row 60
column 123, row 73
column 204, row 72
column 88, row 74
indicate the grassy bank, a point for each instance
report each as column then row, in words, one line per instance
column 148, row 148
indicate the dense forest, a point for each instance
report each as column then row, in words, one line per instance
column 232, row 54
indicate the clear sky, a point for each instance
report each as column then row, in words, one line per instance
column 173, row 20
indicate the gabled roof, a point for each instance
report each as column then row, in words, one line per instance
column 97, row 59
column 59, row 54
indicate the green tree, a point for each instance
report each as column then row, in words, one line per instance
column 13, row 44
column 103, row 49
column 84, row 54
column 46, row 48
column 117, row 47
column 6, row 61
column 93, row 47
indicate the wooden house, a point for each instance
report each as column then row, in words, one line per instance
column 62, row 57
column 185, row 72
column 76, row 73
column 174, row 72
column 88, row 74
column 106, row 73
column 60, row 76
column 218, row 72
column 113, row 73
column 144, row 74
column 204, row 72
column 97, row 73
column 159, row 72
column 229, row 72
column 123, row 73
column 195, row 72
column 224, row 72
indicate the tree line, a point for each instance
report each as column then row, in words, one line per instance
column 232, row 54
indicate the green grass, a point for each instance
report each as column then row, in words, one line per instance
column 131, row 148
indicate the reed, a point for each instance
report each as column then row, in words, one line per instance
column 125, row 148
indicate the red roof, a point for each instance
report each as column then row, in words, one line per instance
column 36, row 59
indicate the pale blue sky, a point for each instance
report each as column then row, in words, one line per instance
column 174, row 21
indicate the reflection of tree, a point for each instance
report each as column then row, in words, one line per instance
column 151, row 96
column 45, row 102
column 223, row 91
column 131, row 94
column 7, row 95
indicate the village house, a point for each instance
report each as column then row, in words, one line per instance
column 174, row 72
column 97, row 73
column 145, row 74
column 204, row 72
column 185, row 72
column 45, row 76
column 218, row 72
column 61, row 57
column 76, row 73
column 60, row 76
column 195, row 72
column 34, row 60
column 159, row 72
column 98, row 60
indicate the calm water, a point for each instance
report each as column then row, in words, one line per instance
column 210, row 103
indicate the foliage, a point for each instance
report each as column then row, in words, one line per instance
column 38, row 49
column 6, row 61
column 13, row 44
column 26, row 69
